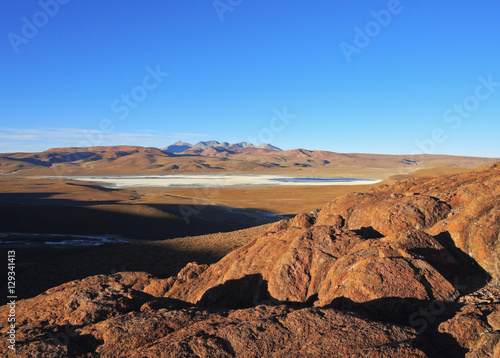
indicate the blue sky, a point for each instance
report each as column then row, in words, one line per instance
column 394, row 77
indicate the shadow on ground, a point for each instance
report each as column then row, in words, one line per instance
column 39, row 213
column 41, row 267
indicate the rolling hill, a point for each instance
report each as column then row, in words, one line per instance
column 220, row 158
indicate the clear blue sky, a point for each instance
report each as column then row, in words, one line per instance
column 354, row 81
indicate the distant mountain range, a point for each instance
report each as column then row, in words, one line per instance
column 214, row 157
column 180, row 147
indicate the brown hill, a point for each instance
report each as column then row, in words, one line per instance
column 398, row 271
column 117, row 148
column 140, row 160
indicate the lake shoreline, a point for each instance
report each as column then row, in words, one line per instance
column 214, row 180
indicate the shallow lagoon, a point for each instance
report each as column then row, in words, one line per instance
column 129, row 181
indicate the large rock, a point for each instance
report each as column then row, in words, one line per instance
column 322, row 263
column 283, row 332
column 121, row 336
column 476, row 325
column 385, row 213
column 256, row 332
column 397, row 266
column 81, row 302
column 51, row 318
column 464, row 207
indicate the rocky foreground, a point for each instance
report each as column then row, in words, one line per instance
column 410, row 269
